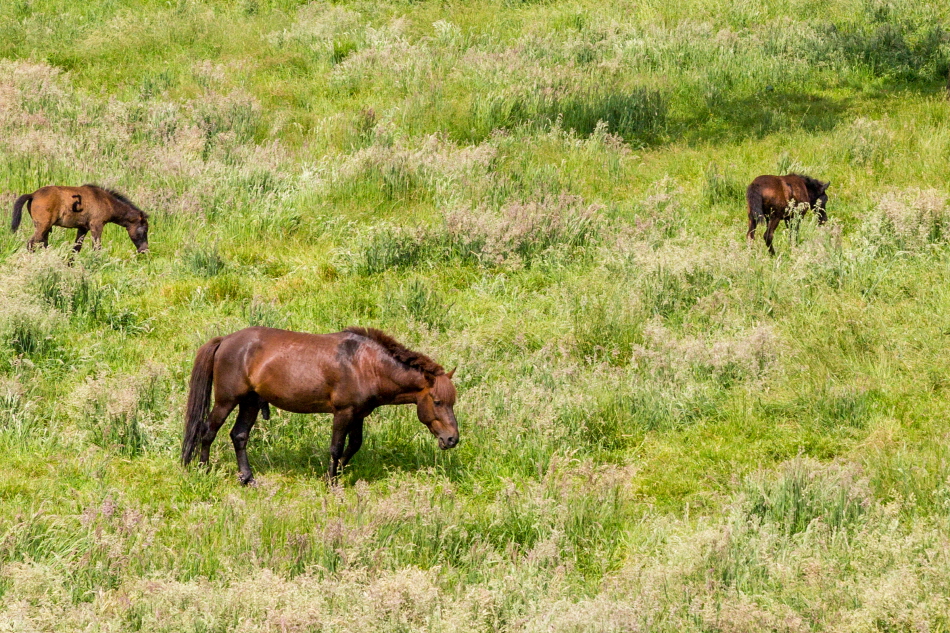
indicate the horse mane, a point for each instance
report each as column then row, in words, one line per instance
column 120, row 197
column 411, row 359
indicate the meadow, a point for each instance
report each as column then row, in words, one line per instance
column 663, row 428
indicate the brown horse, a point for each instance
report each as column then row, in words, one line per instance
column 773, row 199
column 86, row 209
column 348, row 374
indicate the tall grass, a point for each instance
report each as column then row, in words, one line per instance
column 663, row 428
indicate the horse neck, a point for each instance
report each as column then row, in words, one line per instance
column 811, row 189
column 123, row 214
column 408, row 382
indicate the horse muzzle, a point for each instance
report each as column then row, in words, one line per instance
column 445, row 443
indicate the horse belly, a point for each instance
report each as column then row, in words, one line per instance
column 68, row 219
column 303, row 391
column 299, row 405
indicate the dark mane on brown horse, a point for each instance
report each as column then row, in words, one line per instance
column 118, row 196
column 409, row 358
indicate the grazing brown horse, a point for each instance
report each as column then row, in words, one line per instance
column 773, row 198
column 348, row 374
column 86, row 209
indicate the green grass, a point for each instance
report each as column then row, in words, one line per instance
column 663, row 428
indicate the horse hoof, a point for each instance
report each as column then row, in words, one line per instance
column 247, row 481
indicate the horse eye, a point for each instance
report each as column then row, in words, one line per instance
column 436, row 401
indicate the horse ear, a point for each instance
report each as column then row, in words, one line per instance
column 825, row 186
column 451, row 373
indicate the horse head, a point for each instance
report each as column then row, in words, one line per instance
column 138, row 231
column 435, row 407
column 817, row 192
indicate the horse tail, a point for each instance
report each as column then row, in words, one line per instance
column 754, row 197
column 18, row 210
column 199, row 397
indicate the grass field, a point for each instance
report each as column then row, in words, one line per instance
column 663, row 428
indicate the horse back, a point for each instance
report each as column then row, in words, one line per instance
column 772, row 191
column 70, row 207
column 296, row 371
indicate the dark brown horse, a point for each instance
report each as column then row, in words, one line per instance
column 86, row 209
column 348, row 374
column 773, row 199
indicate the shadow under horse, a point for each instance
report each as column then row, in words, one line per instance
column 348, row 374
column 772, row 199
column 86, row 209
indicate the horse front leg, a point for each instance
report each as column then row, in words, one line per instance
column 80, row 236
column 247, row 416
column 341, row 425
column 96, row 230
column 354, row 442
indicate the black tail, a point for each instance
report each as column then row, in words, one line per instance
column 199, row 397
column 18, row 210
column 754, row 197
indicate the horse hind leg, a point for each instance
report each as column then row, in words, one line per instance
column 40, row 236
column 753, row 224
column 770, row 232
column 219, row 413
column 247, row 416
